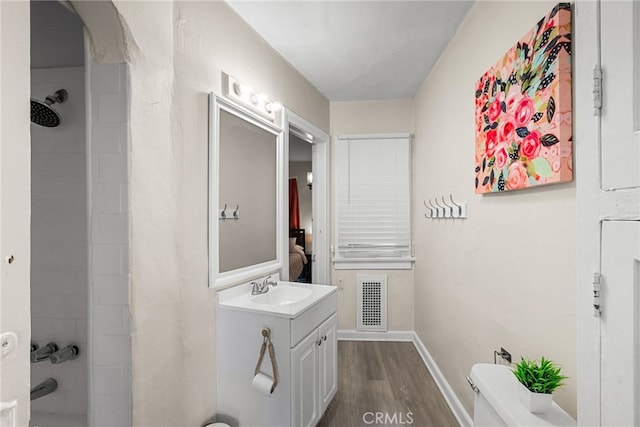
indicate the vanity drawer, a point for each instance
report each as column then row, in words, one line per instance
column 302, row 325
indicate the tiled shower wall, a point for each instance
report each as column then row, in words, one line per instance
column 110, row 359
column 59, row 289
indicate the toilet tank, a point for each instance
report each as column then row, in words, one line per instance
column 496, row 401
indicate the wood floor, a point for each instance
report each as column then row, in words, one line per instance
column 385, row 384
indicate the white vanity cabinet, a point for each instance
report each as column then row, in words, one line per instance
column 303, row 335
column 314, row 371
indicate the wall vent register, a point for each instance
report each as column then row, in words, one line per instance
column 372, row 303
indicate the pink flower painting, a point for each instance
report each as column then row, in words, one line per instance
column 523, row 111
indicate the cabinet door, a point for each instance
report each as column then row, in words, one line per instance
column 328, row 361
column 304, row 376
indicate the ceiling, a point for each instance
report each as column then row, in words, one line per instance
column 358, row 50
column 57, row 36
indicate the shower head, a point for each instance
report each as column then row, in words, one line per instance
column 43, row 114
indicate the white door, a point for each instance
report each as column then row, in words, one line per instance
column 618, row 211
column 620, row 323
column 620, row 56
column 15, row 328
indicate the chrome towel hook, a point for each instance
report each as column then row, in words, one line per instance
column 458, row 212
column 439, row 208
column 430, row 210
column 448, row 210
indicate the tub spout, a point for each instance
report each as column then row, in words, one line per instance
column 43, row 353
column 45, row 387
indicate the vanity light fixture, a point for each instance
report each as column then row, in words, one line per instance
column 249, row 98
column 309, row 179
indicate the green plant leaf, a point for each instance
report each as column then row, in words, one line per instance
column 543, row 377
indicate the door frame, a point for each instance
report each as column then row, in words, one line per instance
column 15, row 213
column 587, row 223
column 320, row 266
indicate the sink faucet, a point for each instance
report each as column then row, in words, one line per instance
column 263, row 288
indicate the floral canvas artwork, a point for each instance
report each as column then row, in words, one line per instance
column 523, row 111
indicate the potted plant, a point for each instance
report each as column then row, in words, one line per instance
column 539, row 381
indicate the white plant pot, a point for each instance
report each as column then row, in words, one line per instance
column 534, row 402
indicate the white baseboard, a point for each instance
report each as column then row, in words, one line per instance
column 450, row 397
column 353, row 335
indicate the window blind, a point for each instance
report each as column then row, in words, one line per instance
column 373, row 198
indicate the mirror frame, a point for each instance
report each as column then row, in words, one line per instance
column 219, row 279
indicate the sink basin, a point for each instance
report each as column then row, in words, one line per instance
column 287, row 299
column 282, row 295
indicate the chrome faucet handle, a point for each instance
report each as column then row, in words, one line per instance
column 266, row 282
column 69, row 352
column 43, row 353
column 255, row 288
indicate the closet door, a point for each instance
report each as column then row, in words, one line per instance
column 620, row 328
column 620, row 115
column 619, row 210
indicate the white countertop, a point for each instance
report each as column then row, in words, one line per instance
column 240, row 298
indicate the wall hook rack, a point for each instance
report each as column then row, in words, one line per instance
column 229, row 213
column 443, row 209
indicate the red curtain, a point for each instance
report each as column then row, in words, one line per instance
column 294, row 211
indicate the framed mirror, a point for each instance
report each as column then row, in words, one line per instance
column 245, row 194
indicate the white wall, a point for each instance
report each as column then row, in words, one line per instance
column 177, row 53
column 59, row 290
column 368, row 117
column 506, row 275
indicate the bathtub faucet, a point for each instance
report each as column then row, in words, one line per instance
column 69, row 352
column 43, row 353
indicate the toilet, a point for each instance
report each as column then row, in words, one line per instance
column 496, row 401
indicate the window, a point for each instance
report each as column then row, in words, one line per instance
column 373, row 202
